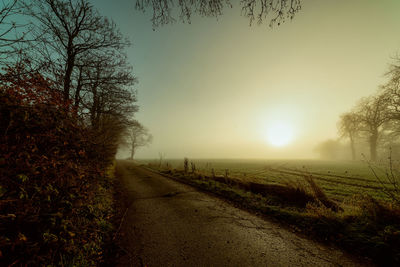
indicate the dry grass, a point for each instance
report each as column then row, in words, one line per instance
column 360, row 224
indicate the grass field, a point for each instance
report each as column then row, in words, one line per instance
column 331, row 201
column 339, row 179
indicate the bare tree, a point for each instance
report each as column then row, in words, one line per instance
column 163, row 10
column 105, row 87
column 11, row 32
column 68, row 30
column 137, row 136
column 84, row 56
column 392, row 90
column 349, row 126
column 373, row 115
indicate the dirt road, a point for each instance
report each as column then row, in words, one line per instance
column 171, row 224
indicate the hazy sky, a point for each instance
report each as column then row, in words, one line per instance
column 215, row 88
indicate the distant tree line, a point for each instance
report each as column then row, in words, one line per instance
column 373, row 122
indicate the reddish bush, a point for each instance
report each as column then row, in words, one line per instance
column 48, row 179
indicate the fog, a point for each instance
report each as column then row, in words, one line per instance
column 222, row 89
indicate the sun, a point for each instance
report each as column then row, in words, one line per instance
column 279, row 134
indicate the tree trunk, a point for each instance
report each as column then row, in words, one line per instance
column 132, row 151
column 67, row 78
column 69, row 68
column 78, row 89
column 93, row 109
column 353, row 149
column 373, row 143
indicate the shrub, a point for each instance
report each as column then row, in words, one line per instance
column 49, row 177
column 389, row 178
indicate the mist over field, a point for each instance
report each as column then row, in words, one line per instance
column 223, row 89
column 199, row 133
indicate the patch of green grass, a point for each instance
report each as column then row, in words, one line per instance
column 339, row 179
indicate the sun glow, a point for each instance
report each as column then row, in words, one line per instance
column 279, row 134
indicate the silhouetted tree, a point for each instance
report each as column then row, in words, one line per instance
column 392, row 90
column 137, row 136
column 105, row 87
column 84, row 56
column 349, row 126
column 10, row 31
column 163, row 10
column 329, row 149
column 69, row 31
column 372, row 113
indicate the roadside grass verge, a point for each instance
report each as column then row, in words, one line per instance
column 114, row 247
column 97, row 220
column 360, row 224
column 338, row 179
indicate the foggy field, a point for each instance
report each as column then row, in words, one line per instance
column 349, row 203
column 143, row 129
column 339, row 179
